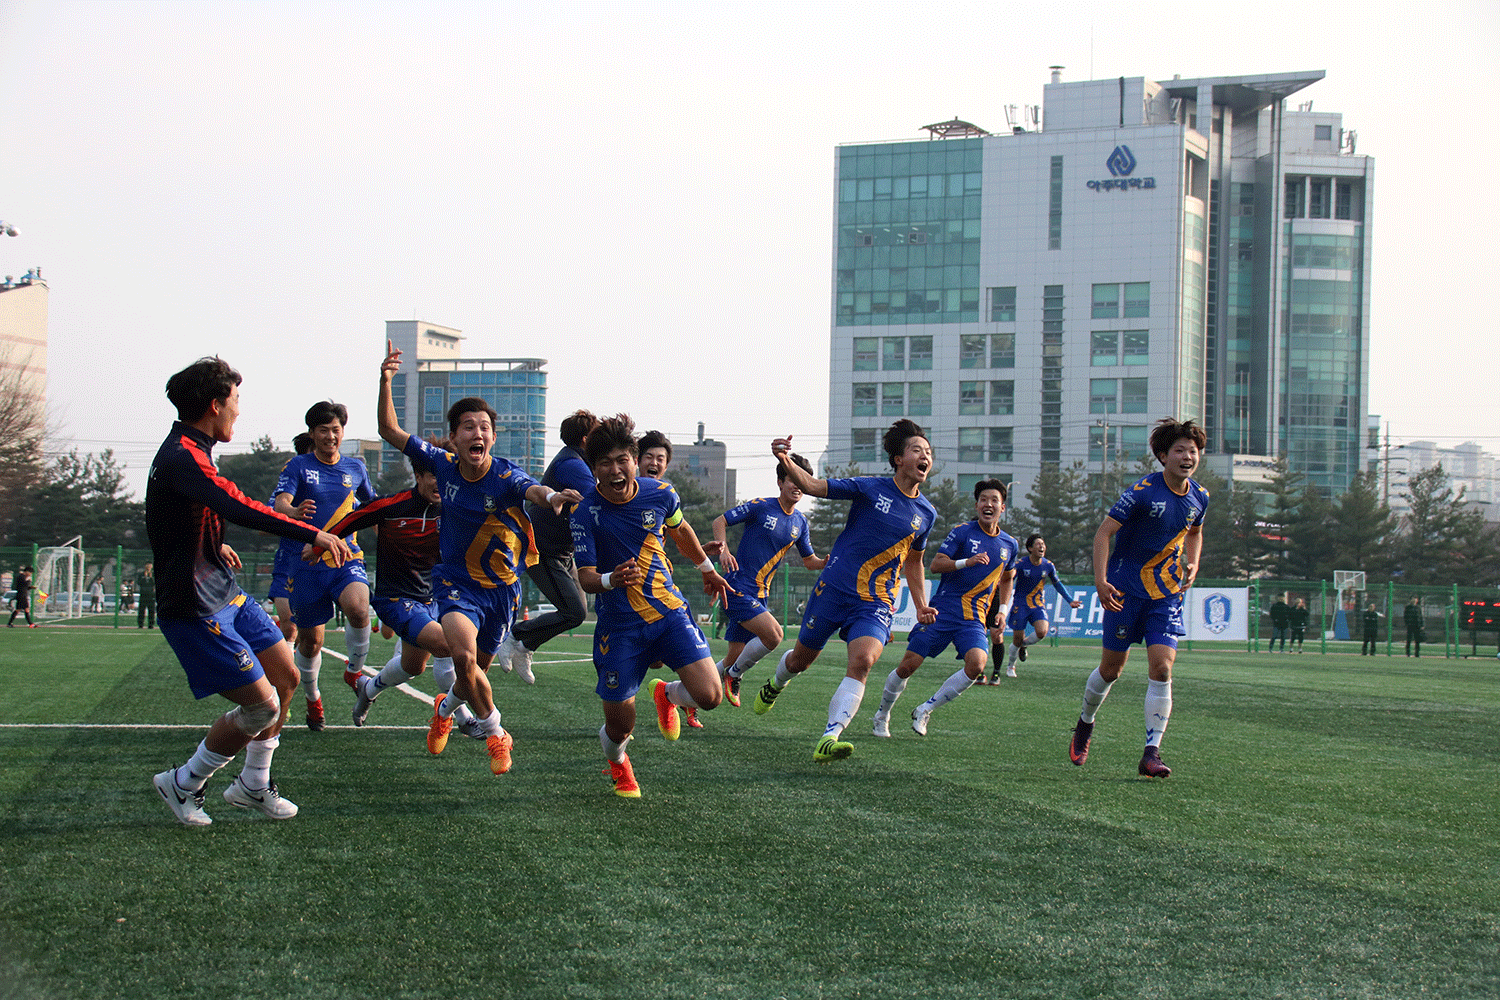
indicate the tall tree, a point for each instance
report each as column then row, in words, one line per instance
column 83, row 495
column 1060, row 508
column 1428, row 549
column 1279, row 523
column 1234, row 547
column 255, row 472
column 1363, row 528
column 1309, row 547
column 953, row 508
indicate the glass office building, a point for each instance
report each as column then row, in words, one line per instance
column 1137, row 249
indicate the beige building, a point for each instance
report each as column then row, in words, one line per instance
column 23, row 331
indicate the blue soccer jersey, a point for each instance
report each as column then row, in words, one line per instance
column 337, row 489
column 484, row 536
column 966, row 593
column 1031, row 583
column 884, row 524
column 770, row 533
column 606, row 534
column 1154, row 522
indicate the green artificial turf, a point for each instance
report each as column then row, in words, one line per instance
column 1329, row 830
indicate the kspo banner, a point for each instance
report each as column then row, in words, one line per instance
column 1209, row 613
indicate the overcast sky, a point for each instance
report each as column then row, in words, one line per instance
column 640, row 193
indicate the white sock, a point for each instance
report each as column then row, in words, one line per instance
column 1158, row 710
column 678, row 695
column 490, row 724
column 612, row 750
column 444, row 672
column 957, row 683
column 894, row 685
column 1095, row 690
column 257, row 770
column 308, row 668
column 357, row 645
column 201, row 766
column 1014, row 648
column 396, row 652
column 462, row 716
column 749, row 656
column 390, row 675
column 447, row 704
column 783, row 675
column 1032, row 640
column 844, row 705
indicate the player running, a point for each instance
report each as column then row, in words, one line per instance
column 887, row 530
column 226, row 643
column 773, row 526
column 1157, row 527
column 977, row 563
column 485, row 544
column 321, row 487
column 641, row 615
column 1032, row 575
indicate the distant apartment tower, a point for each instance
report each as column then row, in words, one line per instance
column 434, row 375
column 706, row 462
column 1131, row 249
column 23, row 332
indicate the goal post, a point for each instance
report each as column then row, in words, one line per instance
column 59, row 575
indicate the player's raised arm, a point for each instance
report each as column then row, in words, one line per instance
column 385, row 407
column 806, row 481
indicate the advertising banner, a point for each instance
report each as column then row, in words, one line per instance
column 1209, row 613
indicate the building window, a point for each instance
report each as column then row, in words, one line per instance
column 893, row 353
column 432, row 402
column 1320, row 198
column 893, row 399
column 971, row 444
column 919, row 354
column 971, row 350
column 1135, row 347
column 864, row 399
column 1346, row 202
column 1137, row 299
column 919, row 399
column 1002, row 398
column 1104, row 348
column 1099, row 441
column 1295, row 207
column 970, row 398
column 1323, row 132
column 1132, row 395
column 1106, row 301
column 1054, row 206
column 1003, row 350
column 1103, row 395
column 1001, row 439
column 1133, row 443
column 866, row 356
column 862, row 445
column 1003, row 304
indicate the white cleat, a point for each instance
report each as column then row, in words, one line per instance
column 919, row 721
column 882, row 726
column 1010, row 671
column 520, row 659
column 470, row 728
column 362, row 699
column 186, row 806
column 506, row 653
column 263, row 800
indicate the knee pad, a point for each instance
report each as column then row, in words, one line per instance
column 255, row 719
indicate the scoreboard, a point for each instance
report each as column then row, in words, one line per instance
column 1480, row 615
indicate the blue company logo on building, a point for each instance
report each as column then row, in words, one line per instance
column 1217, row 611
column 1121, row 164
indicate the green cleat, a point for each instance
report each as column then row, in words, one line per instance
column 831, row 748
column 765, row 698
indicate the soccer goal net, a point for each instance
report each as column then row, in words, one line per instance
column 59, row 579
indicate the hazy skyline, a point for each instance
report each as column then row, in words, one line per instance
column 271, row 182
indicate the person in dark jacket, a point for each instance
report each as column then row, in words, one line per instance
column 1371, row 619
column 1299, row 623
column 145, row 598
column 1281, row 620
column 1413, row 615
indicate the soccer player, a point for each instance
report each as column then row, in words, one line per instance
column 554, row 573
column 886, row 533
column 773, row 525
column 1299, row 623
column 1032, row 574
column 977, row 562
column 321, row 487
column 226, row 643
column 23, row 598
column 642, row 617
column 287, row 556
column 1157, row 528
column 484, row 542
column 406, row 549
